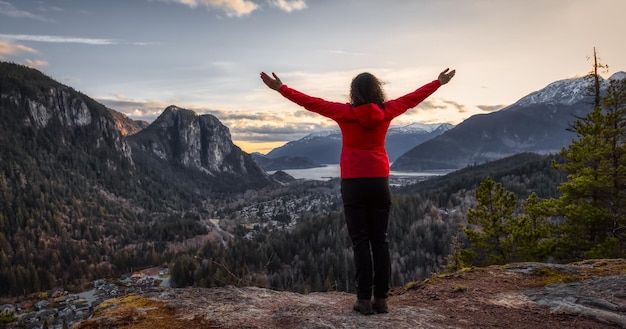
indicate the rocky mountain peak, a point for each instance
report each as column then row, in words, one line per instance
column 175, row 110
column 567, row 92
column 621, row 75
column 200, row 142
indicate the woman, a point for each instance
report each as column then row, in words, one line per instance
column 365, row 172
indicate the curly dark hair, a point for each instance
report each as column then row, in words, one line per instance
column 366, row 88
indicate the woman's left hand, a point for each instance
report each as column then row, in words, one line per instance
column 445, row 76
column 272, row 83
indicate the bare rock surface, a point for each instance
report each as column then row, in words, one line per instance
column 588, row 294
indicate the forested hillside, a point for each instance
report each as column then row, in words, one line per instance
column 522, row 174
column 76, row 202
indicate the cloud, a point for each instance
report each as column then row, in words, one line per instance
column 7, row 9
column 455, row 105
column 275, row 133
column 269, row 126
column 441, row 104
column 305, row 114
column 288, row 5
column 57, row 39
column 341, row 52
column 35, row 63
column 7, row 48
column 431, row 104
column 135, row 109
column 237, row 8
column 490, row 108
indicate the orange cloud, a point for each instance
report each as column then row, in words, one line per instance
column 35, row 63
column 236, row 8
column 7, row 48
column 289, row 6
column 490, row 108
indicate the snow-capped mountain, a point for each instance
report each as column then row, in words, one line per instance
column 621, row 75
column 324, row 147
column 536, row 123
column 568, row 91
column 335, row 133
column 414, row 128
column 419, row 128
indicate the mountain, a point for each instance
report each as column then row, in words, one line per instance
column 320, row 147
column 325, row 147
column 536, row 123
column 192, row 144
column 78, row 198
column 402, row 139
column 126, row 125
column 282, row 163
column 44, row 119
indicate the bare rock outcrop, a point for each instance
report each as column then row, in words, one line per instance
column 588, row 294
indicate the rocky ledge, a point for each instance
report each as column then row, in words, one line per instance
column 589, row 294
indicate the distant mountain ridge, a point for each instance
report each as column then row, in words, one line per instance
column 324, row 147
column 566, row 91
column 282, row 163
column 537, row 123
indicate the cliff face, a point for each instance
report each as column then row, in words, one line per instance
column 37, row 105
column 126, row 125
column 588, row 294
column 199, row 142
column 57, row 103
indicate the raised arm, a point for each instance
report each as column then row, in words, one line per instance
column 400, row 105
column 333, row 110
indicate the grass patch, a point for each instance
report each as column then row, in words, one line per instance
column 553, row 276
column 135, row 312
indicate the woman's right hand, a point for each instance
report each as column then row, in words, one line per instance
column 445, row 76
column 271, row 83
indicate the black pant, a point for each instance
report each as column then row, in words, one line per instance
column 366, row 203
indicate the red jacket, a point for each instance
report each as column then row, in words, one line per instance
column 363, row 128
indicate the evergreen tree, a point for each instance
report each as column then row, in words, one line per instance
column 459, row 257
column 531, row 232
column 491, row 239
column 593, row 198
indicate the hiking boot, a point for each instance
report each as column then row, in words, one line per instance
column 363, row 306
column 380, row 305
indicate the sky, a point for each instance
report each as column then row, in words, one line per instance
column 140, row 56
